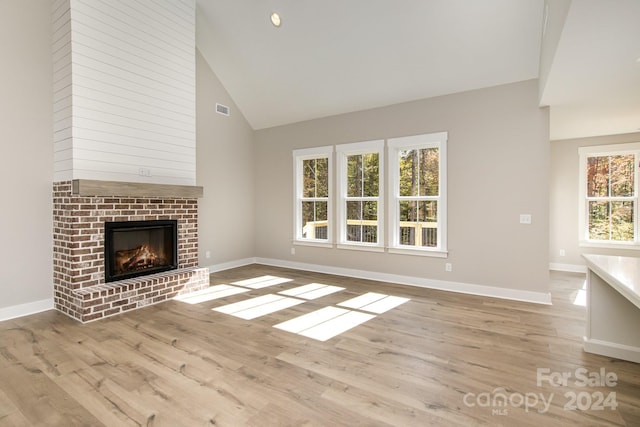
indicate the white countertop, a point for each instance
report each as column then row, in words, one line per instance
column 622, row 273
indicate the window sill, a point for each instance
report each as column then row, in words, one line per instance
column 419, row 252
column 316, row 243
column 366, row 248
column 610, row 245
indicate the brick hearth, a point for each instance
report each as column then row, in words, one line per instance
column 78, row 253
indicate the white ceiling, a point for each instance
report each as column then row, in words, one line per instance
column 338, row 56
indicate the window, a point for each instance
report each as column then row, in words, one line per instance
column 418, row 194
column 415, row 202
column 360, row 208
column 609, row 195
column 313, row 205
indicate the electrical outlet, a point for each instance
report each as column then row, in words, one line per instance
column 207, row 254
column 525, row 218
column 562, row 252
column 448, row 267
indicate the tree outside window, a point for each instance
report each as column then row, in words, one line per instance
column 418, row 168
column 608, row 210
column 419, row 189
column 611, row 197
column 360, row 206
column 313, row 195
column 315, row 188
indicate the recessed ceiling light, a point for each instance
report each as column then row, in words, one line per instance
column 275, row 19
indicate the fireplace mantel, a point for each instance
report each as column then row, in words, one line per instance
column 96, row 188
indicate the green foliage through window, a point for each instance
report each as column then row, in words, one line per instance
column 419, row 172
column 315, row 198
column 611, row 197
column 363, row 189
column 315, row 179
column 419, row 182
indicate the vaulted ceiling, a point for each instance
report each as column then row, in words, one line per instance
column 337, row 56
column 593, row 85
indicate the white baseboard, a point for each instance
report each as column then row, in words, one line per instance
column 611, row 349
column 20, row 310
column 231, row 264
column 569, row 268
column 465, row 288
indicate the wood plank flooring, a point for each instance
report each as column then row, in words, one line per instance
column 441, row 359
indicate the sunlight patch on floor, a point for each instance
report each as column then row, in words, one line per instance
column 320, row 325
column 261, row 282
column 209, row 294
column 374, row 302
column 581, row 296
column 336, row 326
column 309, row 320
column 329, row 322
column 324, row 323
column 258, row 306
column 311, row 291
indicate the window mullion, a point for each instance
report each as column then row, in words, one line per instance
column 610, row 203
column 635, row 197
column 361, row 177
column 315, row 175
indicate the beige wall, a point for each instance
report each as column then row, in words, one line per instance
column 564, row 201
column 224, row 167
column 26, row 167
column 498, row 168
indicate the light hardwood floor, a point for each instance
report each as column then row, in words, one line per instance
column 439, row 359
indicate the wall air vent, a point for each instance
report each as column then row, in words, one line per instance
column 222, row 109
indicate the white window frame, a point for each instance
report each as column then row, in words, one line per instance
column 343, row 151
column 395, row 145
column 299, row 156
column 583, row 201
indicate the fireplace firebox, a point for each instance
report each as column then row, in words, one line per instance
column 137, row 248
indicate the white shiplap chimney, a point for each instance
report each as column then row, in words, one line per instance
column 124, row 90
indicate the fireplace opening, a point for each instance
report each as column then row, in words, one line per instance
column 137, row 248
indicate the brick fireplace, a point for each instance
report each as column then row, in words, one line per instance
column 80, row 211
